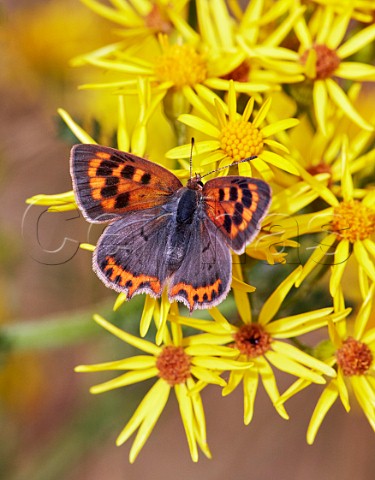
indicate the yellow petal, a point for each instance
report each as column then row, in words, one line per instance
column 207, row 376
column 287, row 365
column 273, row 303
column 363, row 315
column 151, row 416
column 81, row 134
column 320, row 104
column 343, row 391
column 325, row 402
column 339, row 97
column 187, row 416
column 250, row 386
column 356, row 42
column 269, row 383
column 200, row 125
column 302, row 357
column 132, row 363
column 127, row 337
column 235, row 378
column 364, row 260
column 128, row 378
column 341, row 257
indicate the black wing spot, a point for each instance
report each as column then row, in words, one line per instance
column 105, row 169
column 109, row 191
column 128, row 284
column 196, row 297
column 205, row 297
column 128, row 172
column 246, row 197
column 237, row 218
column 221, row 194
column 227, row 223
column 122, row 200
column 183, row 293
column 109, row 272
column 145, row 179
column 233, row 194
column 239, row 207
column 110, row 181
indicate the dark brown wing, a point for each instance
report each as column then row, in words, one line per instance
column 108, row 182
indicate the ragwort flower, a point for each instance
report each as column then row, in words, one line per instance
column 352, row 353
column 322, row 55
column 236, row 138
column 179, row 364
column 351, row 225
column 259, row 341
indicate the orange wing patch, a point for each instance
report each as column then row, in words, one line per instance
column 195, row 295
column 129, row 282
column 232, row 207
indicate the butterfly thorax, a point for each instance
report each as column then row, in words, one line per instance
column 187, row 206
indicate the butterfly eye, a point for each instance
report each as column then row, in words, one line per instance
column 200, row 183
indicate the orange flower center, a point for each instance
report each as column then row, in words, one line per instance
column 252, row 340
column 354, row 357
column 239, row 74
column 353, row 221
column 181, row 65
column 326, row 63
column 157, row 21
column 240, row 139
column 173, row 365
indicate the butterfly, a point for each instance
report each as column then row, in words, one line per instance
column 162, row 233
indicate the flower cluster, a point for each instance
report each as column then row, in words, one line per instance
column 284, row 84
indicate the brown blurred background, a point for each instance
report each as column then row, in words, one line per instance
column 52, row 428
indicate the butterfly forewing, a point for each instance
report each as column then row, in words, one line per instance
column 108, row 182
column 237, row 205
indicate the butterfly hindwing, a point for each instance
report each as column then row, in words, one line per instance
column 237, row 205
column 129, row 256
column 204, row 276
column 108, row 182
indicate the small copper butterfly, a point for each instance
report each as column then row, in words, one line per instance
column 162, row 233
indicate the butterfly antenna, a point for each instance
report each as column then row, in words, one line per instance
column 191, row 157
column 248, row 159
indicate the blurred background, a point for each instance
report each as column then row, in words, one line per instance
column 51, row 427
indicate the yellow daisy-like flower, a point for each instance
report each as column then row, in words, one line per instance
column 320, row 154
column 184, row 365
column 351, row 226
column 221, row 34
column 353, row 355
column 236, row 138
column 322, row 56
column 259, row 341
column 141, row 18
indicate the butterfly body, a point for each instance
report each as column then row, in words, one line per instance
column 161, row 233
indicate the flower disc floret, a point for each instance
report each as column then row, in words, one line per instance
column 354, row 357
column 353, row 221
column 181, row 65
column 240, row 139
column 173, row 365
column 327, row 61
column 252, row 340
